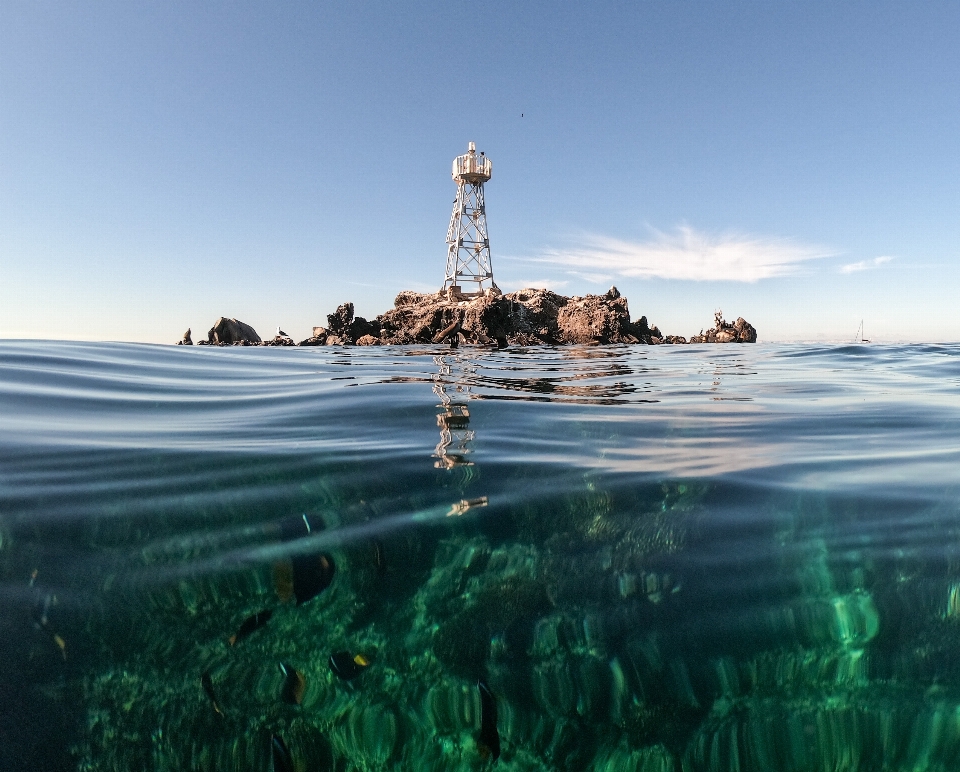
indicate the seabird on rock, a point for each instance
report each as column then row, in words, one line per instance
column 281, row 333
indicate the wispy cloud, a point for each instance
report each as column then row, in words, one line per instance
column 687, row 254
column 550, row 284
column 865, row 265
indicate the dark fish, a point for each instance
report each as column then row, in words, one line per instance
column 207, row 682
column 379, row 558
column 489, row 739
column 41, row 618
column 347, row 666
column 294, row 685
column 302, row 576
column 312, row 574
column 251, row 625
column 298, row 526
column 280, row 756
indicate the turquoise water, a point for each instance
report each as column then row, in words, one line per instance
column 612, row 558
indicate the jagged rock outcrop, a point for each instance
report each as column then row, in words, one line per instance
column 349, row 329
column 740, row 331
column 279, row 340
column 187, row 339
column 528, row 317
column 234, row 331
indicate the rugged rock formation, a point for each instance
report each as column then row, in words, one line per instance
column 528, row 317
column 279, row 340
column 232, row 331
column 741, row 331
column 343, row 325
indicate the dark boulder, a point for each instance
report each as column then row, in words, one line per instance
column 227, row 331
column 338, row 323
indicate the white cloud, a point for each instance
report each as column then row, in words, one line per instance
column 688, row 255
column 865, row 265
column 550, row 284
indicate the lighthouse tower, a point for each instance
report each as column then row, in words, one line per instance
column 468, row 246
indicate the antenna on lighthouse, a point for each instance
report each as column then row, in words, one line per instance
column 468, row 246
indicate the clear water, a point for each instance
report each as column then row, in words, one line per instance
column 655, row 558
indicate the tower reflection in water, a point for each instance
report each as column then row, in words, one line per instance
column 454, row 421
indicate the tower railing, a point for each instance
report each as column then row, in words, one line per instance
column 472, row 165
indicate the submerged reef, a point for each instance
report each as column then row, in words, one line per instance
column 590, row 631
column 529, row 317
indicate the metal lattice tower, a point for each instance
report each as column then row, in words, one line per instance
column 468, row 246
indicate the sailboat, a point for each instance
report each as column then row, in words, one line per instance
column 858, row 338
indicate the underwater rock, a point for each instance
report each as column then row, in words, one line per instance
column 573, row 686
column 452, row 707
column 228, row 331
column 623, row 758
column 367, row 735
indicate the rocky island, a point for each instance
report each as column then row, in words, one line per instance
column 528, row 317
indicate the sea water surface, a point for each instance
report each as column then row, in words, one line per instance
column 658, row 558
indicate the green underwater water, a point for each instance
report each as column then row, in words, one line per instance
column 652, row 558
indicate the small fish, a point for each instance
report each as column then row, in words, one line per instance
column 379, row 558
column 302, row 576
column 207, row 683
column 41, row 611
column 294, row 685
column 489, row 739
column 251, row 625
column 280, row 757
column 346, row 666
column 312, row 574
column 61, row 644
column 464, row 504
column 298, row 526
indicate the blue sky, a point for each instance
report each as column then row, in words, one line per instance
column 163, row 164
